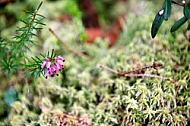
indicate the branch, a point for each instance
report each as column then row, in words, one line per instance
column 109, row 69
column 136, row 75
column 68, row 48
column 149, row 75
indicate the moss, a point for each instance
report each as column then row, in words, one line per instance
column 84, row 88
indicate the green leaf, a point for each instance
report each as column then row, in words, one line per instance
column 167, row 9
column 178, row 24
column 186, row 11
column 39, row 6
column 10, row 96
column 188, row 27
column 157, row 23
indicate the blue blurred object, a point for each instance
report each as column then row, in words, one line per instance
column 10, row 96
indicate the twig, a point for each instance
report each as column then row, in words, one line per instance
column 136, row 75
column 68, row 48
column 142, row 69
column 106, row 67
column 149, row 75
column 177, row 89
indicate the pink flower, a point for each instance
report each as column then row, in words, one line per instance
column 47, row 73
column 59, row 66
column 46, row 63
column 53, row 65
column 60, row 58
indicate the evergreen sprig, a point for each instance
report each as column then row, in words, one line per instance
column 33, row 68
column 32, row 25
column 14, row 53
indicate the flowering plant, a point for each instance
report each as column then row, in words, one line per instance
column 52, row 65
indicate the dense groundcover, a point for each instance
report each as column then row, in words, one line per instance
column 105, row 70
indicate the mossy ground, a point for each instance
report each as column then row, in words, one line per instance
column 85, row 88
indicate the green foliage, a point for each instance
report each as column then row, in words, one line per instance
column 157, row 22
column 164, row 14
column 167, row 9
column 21, row 43
column 71, row 7
column 178, row 24
column 25, row 33
column 34, row 66
column 186, row 11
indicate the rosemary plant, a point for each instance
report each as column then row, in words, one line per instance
column 165, row 13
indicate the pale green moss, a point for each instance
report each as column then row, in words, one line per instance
column 85, row 88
